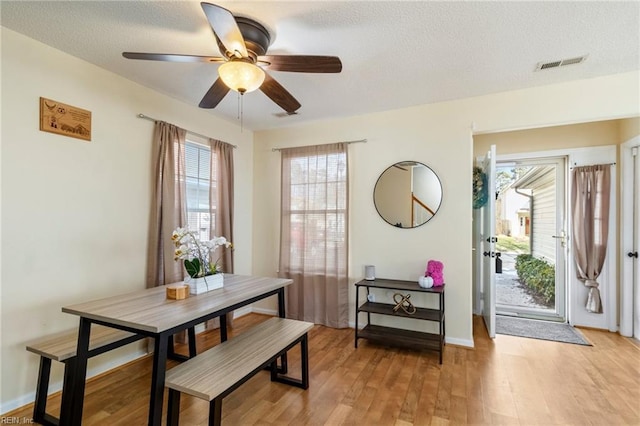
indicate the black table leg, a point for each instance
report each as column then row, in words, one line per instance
column 356, row 311
column 42, row 389
column 191, row 333
column 304, row 351
column 281, row 312
column 173, row 410
column 171, row 349
column 157, row 379
column 223, row 328
column 281, row 308
column 73, row 398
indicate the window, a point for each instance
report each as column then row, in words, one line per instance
column 200, row 188
column 316, row 211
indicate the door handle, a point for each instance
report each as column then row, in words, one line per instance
column 633, row 254
column 562, row 237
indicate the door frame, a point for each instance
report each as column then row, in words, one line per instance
column 486, row 256
column 561, row 163
column 629, row 296
column 575, row 316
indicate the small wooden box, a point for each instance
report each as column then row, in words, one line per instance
column 177, row 292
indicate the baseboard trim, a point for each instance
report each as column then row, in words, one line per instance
column 454, row 341
column 263, row 311
column 54, row 387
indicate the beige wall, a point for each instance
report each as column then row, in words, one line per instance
column 629, row 128
column 596, row 133
column 438, row 135
column 75, row 213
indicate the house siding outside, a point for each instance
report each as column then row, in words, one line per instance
column 541, row 181
column 544, row 219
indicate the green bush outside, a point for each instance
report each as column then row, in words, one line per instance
column 538, row 275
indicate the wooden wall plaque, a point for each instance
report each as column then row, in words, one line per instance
column 63, row 119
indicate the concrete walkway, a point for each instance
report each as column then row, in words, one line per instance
column 509, row 291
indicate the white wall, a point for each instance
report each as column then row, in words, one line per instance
column 75, row 214
column 438, row 135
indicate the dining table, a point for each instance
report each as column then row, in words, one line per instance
column 150, row 313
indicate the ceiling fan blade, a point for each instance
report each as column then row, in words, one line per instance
column 226, row 29
column 169, row 57
column 214, row 95
column 279, row 95
column 302, row 63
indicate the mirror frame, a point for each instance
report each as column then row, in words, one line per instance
column 399, row 164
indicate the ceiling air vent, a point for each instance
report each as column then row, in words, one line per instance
column 560, row 63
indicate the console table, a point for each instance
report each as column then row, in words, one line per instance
column 396, row 336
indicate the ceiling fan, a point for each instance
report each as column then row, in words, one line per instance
column 243, row 44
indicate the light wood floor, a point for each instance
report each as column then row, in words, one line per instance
column 509, row 380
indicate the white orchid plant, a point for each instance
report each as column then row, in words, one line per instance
column 197, row 254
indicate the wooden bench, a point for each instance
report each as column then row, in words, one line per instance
column 217, row 372
column 62, row 348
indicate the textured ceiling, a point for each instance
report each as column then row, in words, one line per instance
column 395, row 54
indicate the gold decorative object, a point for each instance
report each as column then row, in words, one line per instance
column 177, row 292
column 403, row 303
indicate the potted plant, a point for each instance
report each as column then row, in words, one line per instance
column 204, row 274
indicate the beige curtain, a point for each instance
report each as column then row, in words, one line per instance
column 168, row 204
column 590, row 216
column 221, row 207
column 314, row 233
column 168, row 208
column 222, row 192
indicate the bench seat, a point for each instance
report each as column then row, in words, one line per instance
column 62, row 347
column 218, row 371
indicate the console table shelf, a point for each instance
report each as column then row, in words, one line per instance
column 387, row 309
column 396, row 336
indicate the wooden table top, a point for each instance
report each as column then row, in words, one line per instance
column 150, row 310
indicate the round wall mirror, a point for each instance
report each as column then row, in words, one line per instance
column 407, row 194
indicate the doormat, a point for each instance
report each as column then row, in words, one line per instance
column 544, row 330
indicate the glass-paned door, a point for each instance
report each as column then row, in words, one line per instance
column 531, row 238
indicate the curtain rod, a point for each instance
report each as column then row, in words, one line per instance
column 146, row 117
column 588, row 165
column 347, row 142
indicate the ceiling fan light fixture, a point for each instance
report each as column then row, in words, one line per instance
column 241, row 76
